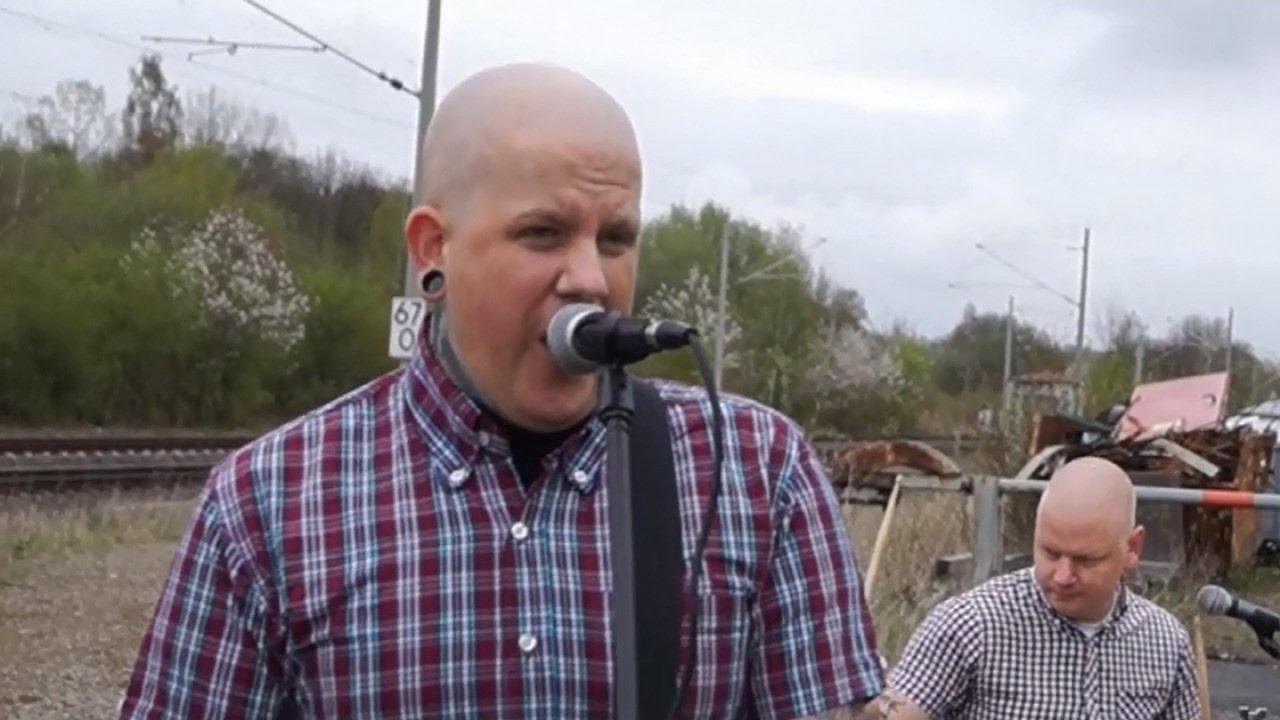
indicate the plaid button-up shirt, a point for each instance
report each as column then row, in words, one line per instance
column 1000, row 651
column 380, row 558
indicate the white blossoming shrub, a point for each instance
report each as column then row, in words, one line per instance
column 694, row 302
column 854, row 379
column 853, row 360
column 228, row 266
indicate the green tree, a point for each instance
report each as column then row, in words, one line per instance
column 794, row 338
column 152, row 118
column 73, row 119
column 382, row 255
column 971, row 356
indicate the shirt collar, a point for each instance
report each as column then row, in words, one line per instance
column 459, row 430
column 1115, row 619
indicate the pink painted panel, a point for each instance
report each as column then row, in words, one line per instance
column 1182, row 404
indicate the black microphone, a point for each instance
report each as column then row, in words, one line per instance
column 1214, row 600
column 584, row 337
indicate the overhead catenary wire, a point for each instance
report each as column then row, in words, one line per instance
column 392, row 81
column 232, row 43
column 53, row 26
column 49, row 25
column 1037, row 281
column 230, row 47
column 301, row 94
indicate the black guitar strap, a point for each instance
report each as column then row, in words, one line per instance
column 659, row 556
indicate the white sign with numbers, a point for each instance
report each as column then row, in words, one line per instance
column 406, row 321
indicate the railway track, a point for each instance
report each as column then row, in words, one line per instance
column 44, row 463
column 56, row 462
column 69, row 444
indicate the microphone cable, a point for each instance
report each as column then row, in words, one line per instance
column 717, row 465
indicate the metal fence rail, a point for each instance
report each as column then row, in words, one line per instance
column 989, row 491
column 1217, row 499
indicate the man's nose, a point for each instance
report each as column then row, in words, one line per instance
column 1063, row 572
column 582, row 276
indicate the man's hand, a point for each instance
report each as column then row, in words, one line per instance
column 887, row 706
column 892, row 706
column 850, row 712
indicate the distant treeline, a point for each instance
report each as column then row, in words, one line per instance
column 173, row 262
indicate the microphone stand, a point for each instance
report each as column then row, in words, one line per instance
column 1269, row 644
column 617, row 412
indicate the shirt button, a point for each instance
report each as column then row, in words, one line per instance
column 528, row 643
column 519, row 531
column 459, row 476
column 484, row 439
column 580, row 478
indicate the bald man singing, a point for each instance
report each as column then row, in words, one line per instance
column 436, row 543
column 1064, row 639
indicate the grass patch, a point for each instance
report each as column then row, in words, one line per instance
column 926, row 526
column 33, row 534
column 1225, row 638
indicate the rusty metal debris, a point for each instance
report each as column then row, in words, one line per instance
column 1174, row 434
column 870, row 466
column 1169, row 434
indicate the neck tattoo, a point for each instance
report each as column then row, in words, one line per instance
column 443, row 349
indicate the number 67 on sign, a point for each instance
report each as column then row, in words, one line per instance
column 406, row 320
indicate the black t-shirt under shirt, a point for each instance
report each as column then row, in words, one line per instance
column 528, row 448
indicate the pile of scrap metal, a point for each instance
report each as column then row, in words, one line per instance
column 862, row 472
column 1175, row 433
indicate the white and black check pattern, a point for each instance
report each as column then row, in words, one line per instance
column 999, row 652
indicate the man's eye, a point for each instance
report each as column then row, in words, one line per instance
column 543, row 235
column 538, row 231
column 616, row 242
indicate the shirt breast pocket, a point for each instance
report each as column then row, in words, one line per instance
column 1141, row 703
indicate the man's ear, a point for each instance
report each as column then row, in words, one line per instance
column 424, row 233
column 1134, row 546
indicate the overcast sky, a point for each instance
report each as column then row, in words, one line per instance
column 903, row 132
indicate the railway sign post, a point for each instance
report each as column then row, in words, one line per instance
column 406, row 320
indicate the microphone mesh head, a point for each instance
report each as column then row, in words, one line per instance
column 1213, row 600
column 560, row 337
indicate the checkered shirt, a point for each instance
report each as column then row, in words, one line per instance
column 999, row 651
column 380, row 558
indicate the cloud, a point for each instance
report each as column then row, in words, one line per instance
column 903, row 132
column 1155, row 44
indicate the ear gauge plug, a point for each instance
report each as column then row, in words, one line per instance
column 433, row 284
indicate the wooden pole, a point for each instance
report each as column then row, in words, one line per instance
column 1202, row 667
column 882, row 535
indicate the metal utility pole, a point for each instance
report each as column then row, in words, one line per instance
column 1139, row 356
column 1080, row 307
column 1231, row 319
column 406, row 312
column 721, row 300
column 426, row 108
column 1005, row 389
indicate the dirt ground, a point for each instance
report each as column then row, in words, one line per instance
column 78, row 585
column 75, row 597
